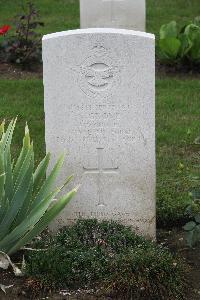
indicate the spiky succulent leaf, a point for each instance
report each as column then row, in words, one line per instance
column 22, row 156
column 44, row 221
column 27, row 223
column 25, row 194
column 40, row 172
column 48, row 183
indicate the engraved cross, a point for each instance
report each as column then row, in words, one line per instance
column 100, row 171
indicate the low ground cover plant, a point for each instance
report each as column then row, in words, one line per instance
column 180, row 46
column 26, row 193
column 108, row 257
column 23, row 47
column 192, row 227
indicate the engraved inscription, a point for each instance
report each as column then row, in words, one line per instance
column 100, row 171
column 104, row 214
column 99, row 123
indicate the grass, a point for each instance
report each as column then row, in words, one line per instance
column 57, row 15
column 177, row 127
column 108, row 257
column 61, row 15
column 177, row 123
column 163, row 11
column 24, row 98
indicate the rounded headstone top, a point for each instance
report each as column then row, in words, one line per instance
column 98, row 30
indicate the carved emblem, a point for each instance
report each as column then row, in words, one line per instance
column 98, row 74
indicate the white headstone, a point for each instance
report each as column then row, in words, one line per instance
column 99, row 108
column 127, row 14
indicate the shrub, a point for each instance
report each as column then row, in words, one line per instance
column 24, row 46
column 109, row 257
column 25, row 194
column 192, row 227
column 180, row 46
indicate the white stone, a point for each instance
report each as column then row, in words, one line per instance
column 99, row 108
column 126, row 14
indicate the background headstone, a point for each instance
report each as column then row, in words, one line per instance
column 99, row 108
column 127, row 14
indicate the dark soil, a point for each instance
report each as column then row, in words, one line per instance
column 181, row 72
column 28, row 288
column 177, row 244
column 10, row 71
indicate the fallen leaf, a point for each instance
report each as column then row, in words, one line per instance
column 5, row 261
column 4, row 287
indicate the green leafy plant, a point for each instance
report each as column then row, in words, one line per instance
column 26, row 194
column 192, row 227
column 180, row 46
column 24, row 46
column 109, row 258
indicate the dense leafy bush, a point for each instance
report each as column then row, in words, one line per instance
column 25, row 194
column 24, row 46
column 180, row 46
column 109, row 257
column 192, row 227
column 171, row 209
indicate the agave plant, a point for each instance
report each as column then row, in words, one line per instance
column 25, row 193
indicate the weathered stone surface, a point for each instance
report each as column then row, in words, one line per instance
column 127, row 14
column 99, row 107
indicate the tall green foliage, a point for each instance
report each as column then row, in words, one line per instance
column 25, row 193
column 180, row 45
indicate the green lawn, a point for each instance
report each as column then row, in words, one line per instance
column 177, row 125
column 177, row 128
column 61, row 15
column 24, row 98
